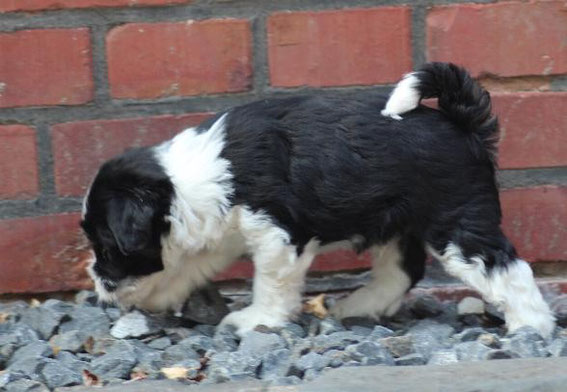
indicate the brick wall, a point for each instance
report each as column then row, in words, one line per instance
column 82, row 79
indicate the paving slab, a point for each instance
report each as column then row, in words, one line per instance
column 512, row 375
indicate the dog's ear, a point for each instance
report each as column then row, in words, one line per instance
column 130, row 222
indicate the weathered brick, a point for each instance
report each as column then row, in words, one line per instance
column 18, row 162
column 152, row 60
column 506, row 39
column 340, row 47
column 79, row 148
column 535, row 219
column 37, row 5
column 533, row 129
column 340, row 260
column 45, row 67
column 42, row 254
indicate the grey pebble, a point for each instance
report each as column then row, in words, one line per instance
column 24, row 385
column 55, row 374
column 160, row 343
column 410, row 360
column 256, row 343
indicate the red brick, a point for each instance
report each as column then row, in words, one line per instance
column 18, row 162
column 43, row 254
column 36, row 5
column 340, row 260
column 152, row 60
column 506, row 39
column 533, row 129
column 339, row 48
column 45, row 67
column 79, row 148
column 535, row 219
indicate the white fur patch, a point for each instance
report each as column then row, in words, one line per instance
column 202, row 182
column 404, row 98
column 512, row 289
column 279, row 274
column 384, row 294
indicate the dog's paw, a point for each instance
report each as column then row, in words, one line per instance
column 247, row 319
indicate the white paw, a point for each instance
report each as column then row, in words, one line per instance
column 247, row 319
column 346, row 307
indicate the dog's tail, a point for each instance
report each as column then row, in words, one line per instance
column 464, row 101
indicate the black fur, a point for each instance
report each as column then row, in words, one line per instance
column 127, row 204
column 331, row 168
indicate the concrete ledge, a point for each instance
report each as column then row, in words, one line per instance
column 512, row 375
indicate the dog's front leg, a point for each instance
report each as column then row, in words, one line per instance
column 278, row 283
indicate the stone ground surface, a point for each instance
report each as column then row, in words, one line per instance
column 515, row 375
column 56, row 344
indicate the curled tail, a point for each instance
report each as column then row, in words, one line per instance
column 464, row 101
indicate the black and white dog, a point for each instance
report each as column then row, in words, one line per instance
column 284, row 179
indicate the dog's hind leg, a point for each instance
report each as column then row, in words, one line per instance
column 503, row 280
column 279, row 274
column 396, row 267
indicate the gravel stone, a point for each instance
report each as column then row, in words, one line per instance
column 86, row 297
column 31, row 351
column 398, row 346
column 175, row 354
column 558, row 348
column 330, row 325
column 71, row 361
column 311, row 360
column 6, row 351
column 115, row 364
column 489, row 340
column 8, row 377
column 501, row 354
column 423, row 331
column 113, row 313
column 495, row 316
column 410, row 360
column 90, row 320
column 17, row 334
column 276, row 364
column 350, row 322
column 225, row 339
column 559, row 308
column 24, row 385
column 443, row 357
column 337, row 358
column 256, row 343
column 335, row 341
column 470, row 305
column 55, row 375
column 30, row 367
column 292, row 333
column 199, row 343
column 469, row 334
column 228, row 365
column 471, row 351
column 177, row 334
column 207, row 330
column 370, row 353
column 527, row 343
column 379, row 332
column 429, row 336
column 426, row 306
column 135, row 325
column 160, row 343
column 205, row 306
column 72, row 341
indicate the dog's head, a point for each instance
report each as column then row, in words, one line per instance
column 125, row 217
